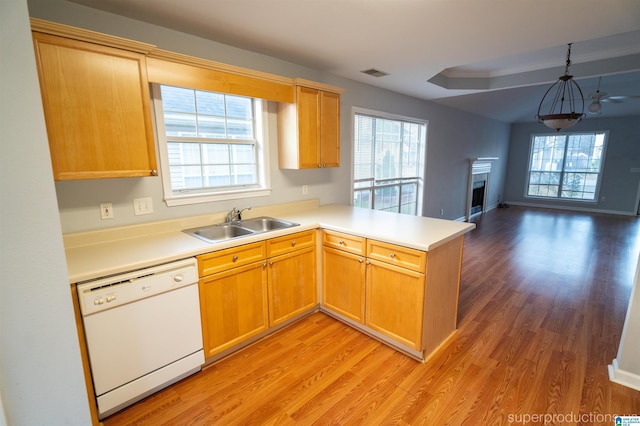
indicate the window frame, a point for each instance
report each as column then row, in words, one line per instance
column 204, row 195
column 401, row 180
column 560, row 198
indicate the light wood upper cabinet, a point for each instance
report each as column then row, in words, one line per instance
column 309, row 129
column 97, row 109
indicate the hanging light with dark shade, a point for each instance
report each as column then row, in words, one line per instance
column 567, row 101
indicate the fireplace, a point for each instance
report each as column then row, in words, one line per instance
column 477, row 197
column 477, row 194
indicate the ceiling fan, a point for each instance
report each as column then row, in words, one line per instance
column 598, row 97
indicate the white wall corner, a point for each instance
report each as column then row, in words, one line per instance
column 622, row 377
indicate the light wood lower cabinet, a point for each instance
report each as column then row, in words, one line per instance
column 292, row 276
column 387, row 290
column 395, row 302
column 233, row 305
column 248, row 289
column 394, row 294
column 343, row 274
column 233, row 296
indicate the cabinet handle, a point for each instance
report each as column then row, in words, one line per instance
column 293, row 243
column 234, row 258
column 393, row 255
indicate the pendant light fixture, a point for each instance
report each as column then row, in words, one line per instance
column 567, row 101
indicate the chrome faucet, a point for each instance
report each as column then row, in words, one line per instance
column 235, row 213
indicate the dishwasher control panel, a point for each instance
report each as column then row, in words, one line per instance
column 106, row 293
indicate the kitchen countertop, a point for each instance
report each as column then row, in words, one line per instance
column 116, row 251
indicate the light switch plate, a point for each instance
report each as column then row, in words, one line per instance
column 142, row 206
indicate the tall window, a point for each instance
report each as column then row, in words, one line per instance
column 566, row 166
column 388, row 162
column 211, row 144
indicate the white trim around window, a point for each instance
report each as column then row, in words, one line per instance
column 186, row 197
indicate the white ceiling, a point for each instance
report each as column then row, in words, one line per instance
column 495, row 58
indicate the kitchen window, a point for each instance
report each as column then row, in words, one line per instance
column 388, row 161
column 566, row 166
column 211, row 145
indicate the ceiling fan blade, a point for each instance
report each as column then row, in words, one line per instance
column 614, row 99
column 618, row 98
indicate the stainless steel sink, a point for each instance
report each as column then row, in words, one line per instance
column 242, row 228
column 264, row 224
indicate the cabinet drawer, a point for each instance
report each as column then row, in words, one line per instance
column 221, row 260
column 289, row 243
column 342, row 241
column 415, row 260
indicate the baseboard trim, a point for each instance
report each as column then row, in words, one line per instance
column 622, row 377
column 570, row 208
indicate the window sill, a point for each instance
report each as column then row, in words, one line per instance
column 562, row 200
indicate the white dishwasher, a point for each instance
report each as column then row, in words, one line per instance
column 143, row 331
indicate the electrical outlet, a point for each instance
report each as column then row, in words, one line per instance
column 305, row 190
column 106, row 211
column 142, row 206
column 441, row 212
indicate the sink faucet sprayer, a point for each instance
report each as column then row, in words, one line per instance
column 236, row 213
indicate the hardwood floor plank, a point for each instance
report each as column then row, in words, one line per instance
column 543, row 299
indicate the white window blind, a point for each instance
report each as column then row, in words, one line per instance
column 388, row 162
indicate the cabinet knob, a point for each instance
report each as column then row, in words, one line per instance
column 341, row 242
column 360, row 260
column 293, row 243
column 393, row 255
column 271, row 263
column 234, row 258
column 154, row 173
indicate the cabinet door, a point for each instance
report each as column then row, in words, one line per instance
column 343, row 279
column 308, row 108
column 233, row 306
column 292, row 284
column 395, row 302
column 97, row 109
column 329, row 129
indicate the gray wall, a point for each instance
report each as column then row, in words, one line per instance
column 619, row 185
column 41, row 378
column 453, row 136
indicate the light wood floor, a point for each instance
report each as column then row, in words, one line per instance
column 542, row 304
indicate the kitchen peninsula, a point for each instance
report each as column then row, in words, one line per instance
column 405, row 279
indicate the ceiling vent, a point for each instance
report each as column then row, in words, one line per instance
column 375, row 73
